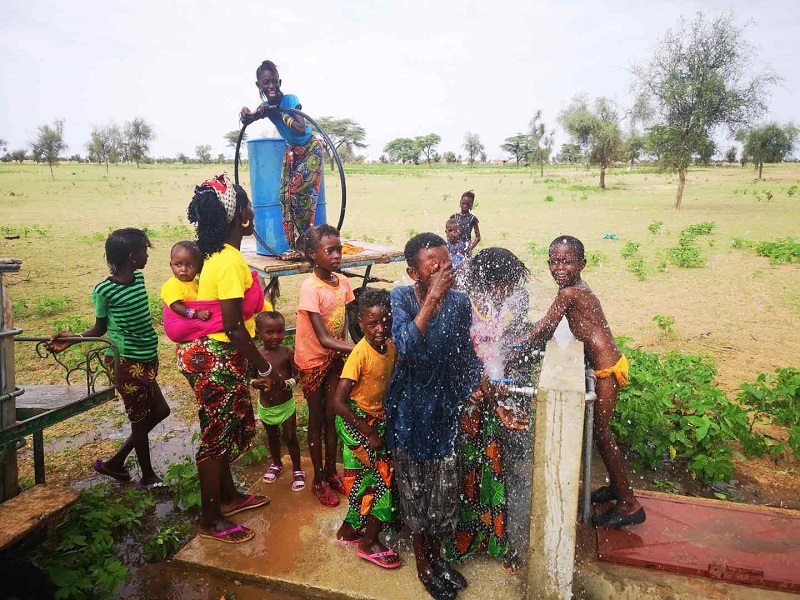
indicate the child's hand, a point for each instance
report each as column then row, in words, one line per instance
column 508, row 417
column 244, row 113
column 441, row 281
column 56, row 344
column 374, row 438
column 476, row 398
column 203, row 315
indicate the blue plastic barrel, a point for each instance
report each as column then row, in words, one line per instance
column 265, row 158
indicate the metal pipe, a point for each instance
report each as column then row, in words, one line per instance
column 18, row 391
column 588, row 423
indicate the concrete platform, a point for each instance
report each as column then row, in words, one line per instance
column 295, row 550
column 32, row 510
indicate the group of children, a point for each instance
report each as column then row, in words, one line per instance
column 404, row 399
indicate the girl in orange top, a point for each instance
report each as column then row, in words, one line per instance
column 319, row 346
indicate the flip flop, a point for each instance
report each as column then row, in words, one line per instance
column 298, row 484
column 373, row 558
column 121, row 476
column 247, row 504
column 153, row 487
column 337, row 485
column 355, row 542
column 272, row 474
column 325, row 495
column 222, row 536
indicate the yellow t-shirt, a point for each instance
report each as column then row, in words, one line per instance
column 225, row 276
column 372, row 372
column 175, row 290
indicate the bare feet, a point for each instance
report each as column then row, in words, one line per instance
column 243, row 502
column 348, row 535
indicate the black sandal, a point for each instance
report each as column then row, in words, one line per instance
column 612, row 519
column 445, row 571
column 604, row 494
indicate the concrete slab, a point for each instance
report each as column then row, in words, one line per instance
column 32, row 509
column 296, row 550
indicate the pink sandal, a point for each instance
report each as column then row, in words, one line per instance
column 298, row 484
column 272, row 474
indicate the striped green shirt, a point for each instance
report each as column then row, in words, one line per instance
column 130, row 325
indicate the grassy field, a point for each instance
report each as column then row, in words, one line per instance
column 738, row 308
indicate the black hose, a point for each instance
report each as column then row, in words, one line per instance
column 255, row 117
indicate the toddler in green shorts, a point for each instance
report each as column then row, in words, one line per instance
column 276, row 407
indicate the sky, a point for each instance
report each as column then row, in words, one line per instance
column 398, row 68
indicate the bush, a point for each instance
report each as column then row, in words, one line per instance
column 776, row 395
column 782, row 250
column 671, row 410
column 686, row 256
column 638, row 268
column 655, row 227
column 184, row 483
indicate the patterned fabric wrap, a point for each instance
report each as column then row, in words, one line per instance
column 428, row 493
column 368, row 474
column 312, row 379
column 136, row 385
column 217, row 373
column 482, row 514
column 301, row 176
column 226, row 195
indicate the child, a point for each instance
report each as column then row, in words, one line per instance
column 467, row 222
column 319, row 344
column 499, row 303
column 302, row 162
column 276, row 407
column 586, row 320
column 185, row 261
column 361, row 423
column 457, row 248
column 121, row 310
column 436, row 371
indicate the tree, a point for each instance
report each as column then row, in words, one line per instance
column 700, row 78
column 402, row 149
column 19, row 155
column 182, row 158
column 344, row 133
column 450, row 157
column 632, row 147
column 517, row 146
column 105, row 144
column 705, row 150
column 232, row 137
column 203, row 152
column 427, row 143
column 3, row 145
column 769, row 143
column 594, row 130
column 569, row 153
column 138, row 135
column 540, row 142
column 730, row 155
column 49, row 144
column 473, row 146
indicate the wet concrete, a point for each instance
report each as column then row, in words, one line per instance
column 296, row 550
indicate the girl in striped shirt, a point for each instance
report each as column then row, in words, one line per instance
column 121, row 310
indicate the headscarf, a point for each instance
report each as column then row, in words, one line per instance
column 223, row 187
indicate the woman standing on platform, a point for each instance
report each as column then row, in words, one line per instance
column 216, row 365
column 301, row 174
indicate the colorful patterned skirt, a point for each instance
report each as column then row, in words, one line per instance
column 217, row 373
column 301, row 176
column 368, row 474
column 482, row 514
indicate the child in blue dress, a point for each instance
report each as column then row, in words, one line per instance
column 301, row 174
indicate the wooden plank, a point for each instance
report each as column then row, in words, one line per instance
column 269, row 266
column 32, row 509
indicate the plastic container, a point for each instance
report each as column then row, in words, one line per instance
column 265, row 158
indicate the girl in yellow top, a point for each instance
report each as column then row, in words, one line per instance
column 361, row 423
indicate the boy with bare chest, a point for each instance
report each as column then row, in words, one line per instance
column 576, row 301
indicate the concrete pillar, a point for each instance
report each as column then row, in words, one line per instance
column 556, row 469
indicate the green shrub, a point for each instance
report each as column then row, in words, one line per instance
column 671, row 410
column 792, row 190
column 79, row 554
column 782, row 250
column 686, row 256
column 253, row 455
column 537, row 249
column 655, row 227
column 629, row 249
column 689, row 233
column 367, row 239
column 638, row 268
column 594, row 258
column 776, row 395
column 184, row 483
column 739, row 242
column 549, row 198
column 665, row 324
column 166, row 541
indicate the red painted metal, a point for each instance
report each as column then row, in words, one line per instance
column 739, row 543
